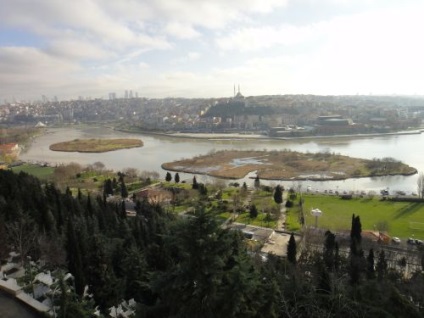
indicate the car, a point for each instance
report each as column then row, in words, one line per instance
column 411, row 241
column 419, row 242
column 396, row 240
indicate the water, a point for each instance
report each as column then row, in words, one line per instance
column 160, row 149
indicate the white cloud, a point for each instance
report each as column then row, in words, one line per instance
column 182, row 31
column 193, row 55
column 168, row 47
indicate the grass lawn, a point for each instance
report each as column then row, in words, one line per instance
column 403, row 219
column 43, row 173
column 258, row 221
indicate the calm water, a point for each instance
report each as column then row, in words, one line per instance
column 160, row 149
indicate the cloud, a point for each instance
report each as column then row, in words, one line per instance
column 181, row 30
column 26, row 69
column 258, row 38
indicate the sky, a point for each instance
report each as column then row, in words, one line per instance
column 202, row 48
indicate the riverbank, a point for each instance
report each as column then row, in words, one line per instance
column 245, row 136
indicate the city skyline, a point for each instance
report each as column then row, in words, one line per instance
column 181, row 48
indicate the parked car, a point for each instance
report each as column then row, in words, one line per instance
column 419, row 242
column 411, row 241
column 396, row 240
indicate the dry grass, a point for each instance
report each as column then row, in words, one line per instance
column 96, row 145
column 282, row 165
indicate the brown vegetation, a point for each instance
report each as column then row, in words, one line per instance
column 96, row 145
column 288, row 165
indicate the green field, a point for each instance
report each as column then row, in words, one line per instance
column 40, row 172
column 402, row 219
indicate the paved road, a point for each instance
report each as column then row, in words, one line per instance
column 12, row 308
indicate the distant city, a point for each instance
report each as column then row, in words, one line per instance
column 273, row 115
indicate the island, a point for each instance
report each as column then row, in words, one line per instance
column 96, row 145
column 288, row 165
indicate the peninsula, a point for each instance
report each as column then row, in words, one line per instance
column 288, row 165
column 96, row 145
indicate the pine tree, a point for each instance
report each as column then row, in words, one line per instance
column 278, row 195
column 168, row 177
column 177, row 178
column 291, row 250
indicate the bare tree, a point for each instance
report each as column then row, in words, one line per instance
column 22, row 235
column 131, row 173
column 98, row 166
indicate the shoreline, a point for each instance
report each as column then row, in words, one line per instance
column 240, row 136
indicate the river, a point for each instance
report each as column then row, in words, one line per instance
column 158, row 149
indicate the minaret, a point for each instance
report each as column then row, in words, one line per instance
column 239, row 88
column 234, row 90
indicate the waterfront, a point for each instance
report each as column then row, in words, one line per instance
column 158, row 149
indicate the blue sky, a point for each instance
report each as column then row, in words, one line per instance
column 201, row 48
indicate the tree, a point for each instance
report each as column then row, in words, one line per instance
column 203, row 190
column 420, row 185
column 257, row 182
column 329, row 250
column 211, row 274
column 168, row 177
column 291, row 250
column 357, row 261
column 108, row 187
column 177, row 178
column 22, row 234
column 195, row 185
column 124, row 191
column 370, row 265
column 356, row 229
column 278, row 195
column 381, row 265
column 253, row 211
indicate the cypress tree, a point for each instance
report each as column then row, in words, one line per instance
column 177, row 178
column 195, row 185
column 381, row 265
column 357, row 262
column 370, row 265
column 75, row 262
column 168, row 177
column 278, row 195
column 291, row 250
column 257, row 182
column 253, row 211
column 329, row 249
column 124, row 191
